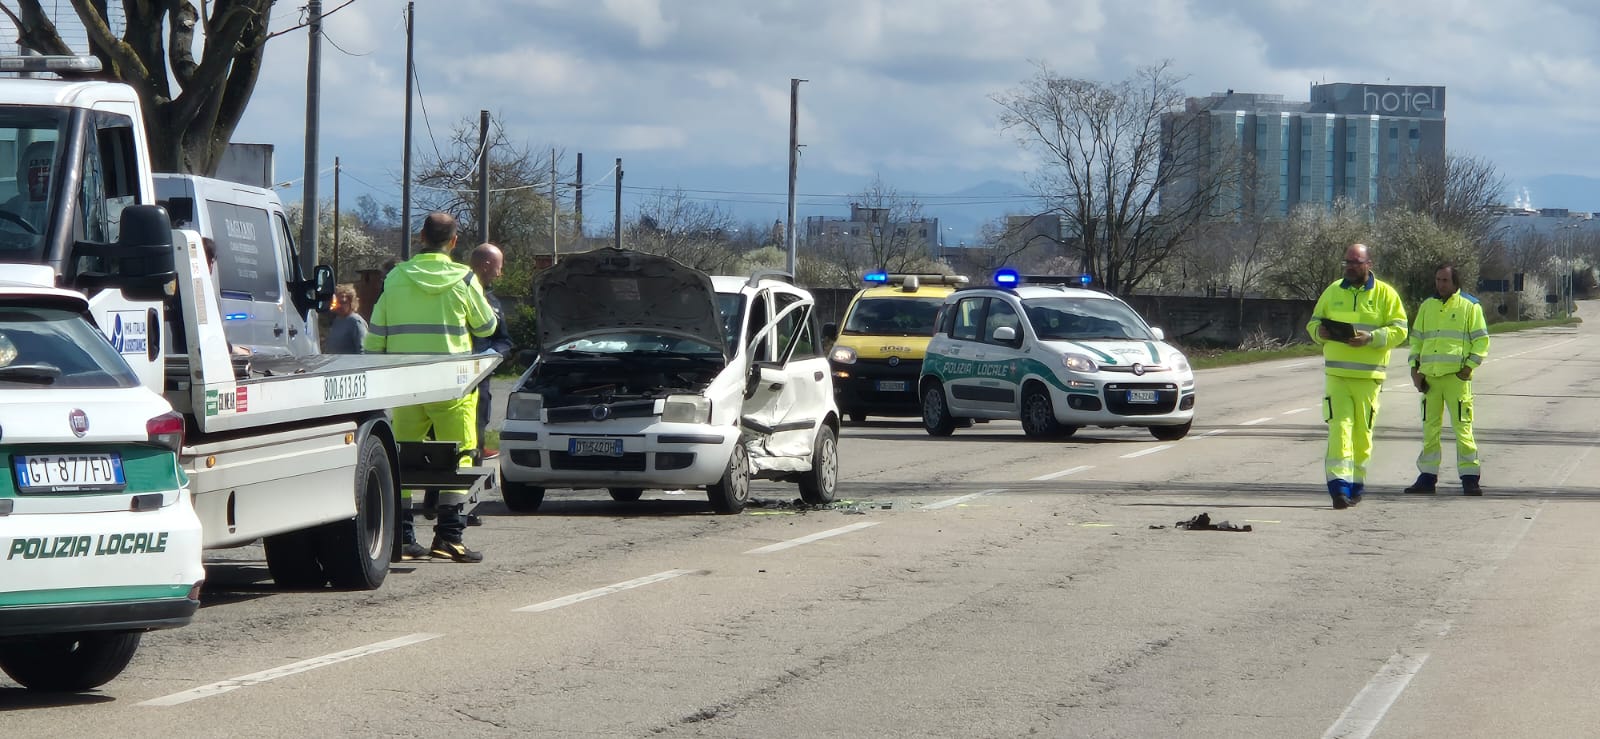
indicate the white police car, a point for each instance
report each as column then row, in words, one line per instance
column 99, row 541
column 1057, row 358
column 653, row 375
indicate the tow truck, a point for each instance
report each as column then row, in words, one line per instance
column 295, row 450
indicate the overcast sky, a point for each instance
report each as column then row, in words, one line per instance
column 695, row 93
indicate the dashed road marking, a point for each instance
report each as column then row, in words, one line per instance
column 1293, row 411
column 1256, row 421
column 1151, row 450
column 256, row 678
column 551, row 605
column 1062, row 473
column 782, row 545
column 958, row 500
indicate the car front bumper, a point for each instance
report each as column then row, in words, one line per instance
column 654, row 454
column 877, row 386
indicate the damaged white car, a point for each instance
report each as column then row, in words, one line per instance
column 653, row 375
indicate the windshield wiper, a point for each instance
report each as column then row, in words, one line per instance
column 32, row 374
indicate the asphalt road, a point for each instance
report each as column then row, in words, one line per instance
column 980, row 585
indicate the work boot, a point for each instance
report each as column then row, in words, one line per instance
column 1356, row 490
column 1339, row 490
column 1426, row 484
column 1470, row 486
column 454, row 551
column 412, row 551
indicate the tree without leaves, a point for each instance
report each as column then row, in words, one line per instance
column 672, row 224
column 1460, row 193
column 188, row 131
column 1103, row 147
column 891, row 238
column 1304, row 259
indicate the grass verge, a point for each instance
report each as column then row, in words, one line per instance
column 1214, row 358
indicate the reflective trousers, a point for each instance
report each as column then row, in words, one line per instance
column 1350, row 406
column 1453, row 394
column 450, row 420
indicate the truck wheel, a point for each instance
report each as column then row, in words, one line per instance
column 68, row 662
column 626, row 495
column 936, row 418
column 729, row 494
column 1170, row 433
column 818, row 484
column 520, row 496
column 355, row 552
column 292, row 560
column 1039, row 414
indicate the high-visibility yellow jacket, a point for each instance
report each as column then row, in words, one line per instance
column 1374, row 307
column 1448, row 335
column 429, row 306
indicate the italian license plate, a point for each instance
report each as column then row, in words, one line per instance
column 1141, row 396
column 68, row 473
column 594, row 447
column 891, row 386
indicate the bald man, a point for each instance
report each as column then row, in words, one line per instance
column 487, row 262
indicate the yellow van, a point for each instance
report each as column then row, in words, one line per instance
column 877, row 352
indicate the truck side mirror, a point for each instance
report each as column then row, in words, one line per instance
column 140, row 262
column 322, row 287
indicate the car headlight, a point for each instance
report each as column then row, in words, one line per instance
column 524, row 406
column 686, row 409
column 1079, row 363
column 843, row 355
column 1182, row 365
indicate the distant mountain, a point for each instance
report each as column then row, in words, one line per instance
column 1570, row 191
column 963, row 213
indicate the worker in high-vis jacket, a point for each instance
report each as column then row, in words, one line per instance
column 1449, row 340
column 1357, row 320
column 432, row 305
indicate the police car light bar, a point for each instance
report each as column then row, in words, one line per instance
column 1007, row 278
column 932, row 278
column 49, row 64
column 880, row 277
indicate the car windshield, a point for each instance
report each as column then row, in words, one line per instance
column 49, row 347
column 1078, row 319
column 29, row 157
column 633, row 342
column 893, row 316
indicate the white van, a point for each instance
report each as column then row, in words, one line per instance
column 261, row 287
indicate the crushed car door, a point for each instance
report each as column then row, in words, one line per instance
column 782, row 403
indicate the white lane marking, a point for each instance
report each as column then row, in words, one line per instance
column 1062, row 473
column 1546, row 347
column 1368, row 709
column 1151, row 450
column 1309, row 361
column 1215, row 432
column 1293, row 411
column 551, row 605
column 1370, row 705
column 255, row 678
column 958, row 500
column 1256, row 421
column 782, row 545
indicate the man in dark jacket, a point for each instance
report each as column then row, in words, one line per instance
column 487, row 263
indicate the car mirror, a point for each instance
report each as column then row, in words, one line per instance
column 1160, row 335
column 1005, row 334
column 322, row 285
column 773, row 376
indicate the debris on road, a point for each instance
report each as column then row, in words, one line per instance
column 848, row 507
column 1203, row 522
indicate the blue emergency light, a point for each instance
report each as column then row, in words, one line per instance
column 1007, row 278
column 1086, row 278
column 879, row 277
column 236, row 316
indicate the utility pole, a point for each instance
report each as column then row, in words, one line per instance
column 405, row 167
column 555, row 257
column 618, row 215
column 483, row 176
column 794, row 164
column 308, row 211
column 336, row 219
column 577, row 197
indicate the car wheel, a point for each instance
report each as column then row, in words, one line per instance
column 520, row 496
column 626, row 495
column 936, row 418
column 1068, row 431
column 858, row 417
column 1039, row 414
column 68, row 663
column 1170, row 433
column 817, row 485
column 292, row 560
column 355, row 553
column 732, row 492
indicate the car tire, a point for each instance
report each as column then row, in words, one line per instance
column 732, row 492
column 1068, row 431
column 936, row 418
column 355, row 553
column 818, row 484
column 521, row 497
column 1170, row 433
column 1039, row 414
column 625, row 495
column 292, row 560
column 68, row 663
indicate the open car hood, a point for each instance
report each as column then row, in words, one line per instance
column 607, row 290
